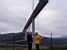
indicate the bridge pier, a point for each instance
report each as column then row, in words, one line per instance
column 33, row 27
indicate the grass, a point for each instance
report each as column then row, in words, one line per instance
column 11, row 49
column 54, row 48
column 18, row 49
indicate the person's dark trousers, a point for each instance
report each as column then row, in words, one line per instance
column 37, row 46
column 29, row 46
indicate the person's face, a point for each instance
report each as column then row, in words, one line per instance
column 30, row 33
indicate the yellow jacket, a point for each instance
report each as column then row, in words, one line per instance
column 37, row 39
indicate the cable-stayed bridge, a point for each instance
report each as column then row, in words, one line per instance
column 36, row 11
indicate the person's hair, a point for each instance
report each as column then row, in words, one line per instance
column 36, row 33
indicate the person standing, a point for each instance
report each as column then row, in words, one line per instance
column 29, row 40
column 37, row 40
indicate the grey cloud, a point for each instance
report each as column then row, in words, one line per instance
column 53, row 19
column 15, row 13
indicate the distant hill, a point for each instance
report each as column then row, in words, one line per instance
column 55, row 41
column 10, row 37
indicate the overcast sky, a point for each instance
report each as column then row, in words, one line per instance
column 15, row 13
